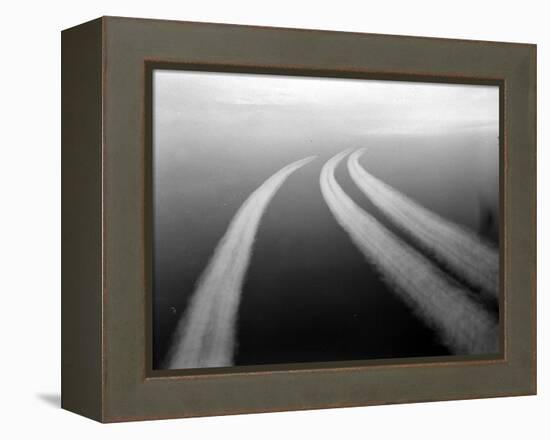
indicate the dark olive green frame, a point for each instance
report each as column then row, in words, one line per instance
column 106, row 256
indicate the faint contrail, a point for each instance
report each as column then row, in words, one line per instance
column 463, row 326
column 205, row 336
column 459, row 250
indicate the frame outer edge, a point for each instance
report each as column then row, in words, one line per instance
column 81, row 213
column 534, row 79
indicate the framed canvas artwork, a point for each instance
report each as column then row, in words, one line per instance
column 262, row 219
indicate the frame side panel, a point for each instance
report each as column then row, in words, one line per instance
column 81, row 183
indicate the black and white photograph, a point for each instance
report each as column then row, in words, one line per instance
column 307, row 219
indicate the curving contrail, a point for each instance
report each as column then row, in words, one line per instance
column 459, row 250
column 205, row 336
column 463, row 326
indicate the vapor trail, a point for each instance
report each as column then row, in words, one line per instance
column 205, row 336
column 463, row 326
column 459, row 250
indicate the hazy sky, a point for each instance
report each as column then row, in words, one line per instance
column 337, row 105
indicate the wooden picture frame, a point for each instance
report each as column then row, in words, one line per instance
column 107, row 370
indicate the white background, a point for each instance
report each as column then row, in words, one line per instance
column 30, row 218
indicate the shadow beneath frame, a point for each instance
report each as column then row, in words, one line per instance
column 51, row 399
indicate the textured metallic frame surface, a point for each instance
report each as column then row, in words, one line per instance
column 113, row 334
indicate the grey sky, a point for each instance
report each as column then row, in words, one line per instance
column 354, row 107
